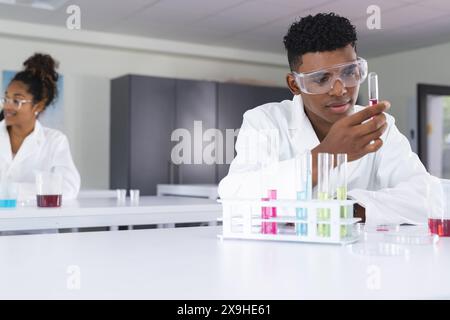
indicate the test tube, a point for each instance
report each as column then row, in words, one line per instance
column 331, row 192
column 373, row 88
column 269, row 192
column 265, row 214
column 272, row 193
column 323, row 190
column 341, row 189
column 304, row 190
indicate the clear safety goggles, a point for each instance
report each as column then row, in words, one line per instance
column 350, row 74
column 15, row 103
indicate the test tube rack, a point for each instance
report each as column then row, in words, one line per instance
column 242, row 220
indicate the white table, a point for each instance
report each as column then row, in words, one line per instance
column 188, row 190
column 191, row 263
column 97, row 193
column 98, row 212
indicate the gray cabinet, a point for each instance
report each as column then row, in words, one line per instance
column 142, row 120
column 119, row 159
column 234, row 100
column 146, row 110
column 196, row 104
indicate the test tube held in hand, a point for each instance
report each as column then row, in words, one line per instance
column 373, row 88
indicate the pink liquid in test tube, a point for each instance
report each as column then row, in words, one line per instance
column 267, row 213
column 273, row 196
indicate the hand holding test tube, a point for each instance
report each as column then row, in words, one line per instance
column 342, row 139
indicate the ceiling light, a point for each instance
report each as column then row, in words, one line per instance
column 38, row 4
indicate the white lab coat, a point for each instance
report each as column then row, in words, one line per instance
column 390, row 183
column 44, row 149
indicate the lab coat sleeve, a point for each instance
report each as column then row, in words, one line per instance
column 64, row 165
column 256, row 166
column 404, row 184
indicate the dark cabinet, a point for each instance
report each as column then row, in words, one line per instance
column 142, row 120
column 196, row 106
column 119, row 150
column 145, row 111
column 233, row 101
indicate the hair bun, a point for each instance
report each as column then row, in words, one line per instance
column 42, row 66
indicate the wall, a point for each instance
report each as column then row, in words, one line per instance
column 89, row 60
column 399, row 75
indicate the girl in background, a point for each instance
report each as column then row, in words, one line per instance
column 25, row 145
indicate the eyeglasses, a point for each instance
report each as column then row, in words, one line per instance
column 16, row 103
column 322, row 81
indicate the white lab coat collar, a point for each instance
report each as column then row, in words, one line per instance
column 28, row 147
column 298, row 113
column 300, row 127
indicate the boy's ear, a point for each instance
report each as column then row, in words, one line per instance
column 292, row 84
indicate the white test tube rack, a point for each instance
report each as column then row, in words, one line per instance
column 246, row 223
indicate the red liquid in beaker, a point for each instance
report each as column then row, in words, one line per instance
column 49, row 200
column 373, row 102
column 440, row 227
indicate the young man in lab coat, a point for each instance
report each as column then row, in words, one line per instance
column 384, row 176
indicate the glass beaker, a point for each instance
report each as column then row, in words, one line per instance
column 49, row 189
column 8, row 194
column 438, row 206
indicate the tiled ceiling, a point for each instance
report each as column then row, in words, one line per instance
column 252, row 24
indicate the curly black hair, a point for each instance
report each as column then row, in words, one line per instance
column 40, row 76
column 319, row 33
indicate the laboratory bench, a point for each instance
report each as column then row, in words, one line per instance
column 209, row 191
column 89, row 212
column 194, row 263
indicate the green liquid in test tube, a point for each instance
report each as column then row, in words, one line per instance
column 324, row 192
column 330, row 193
column 322, row 215
column 341, row 190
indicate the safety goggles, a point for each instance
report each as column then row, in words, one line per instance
column 350, row 74
column 15, row 103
